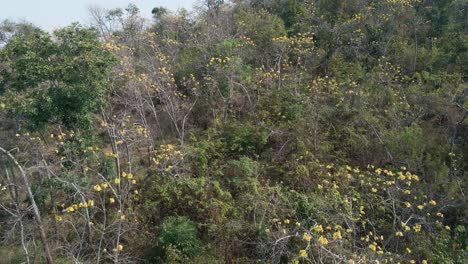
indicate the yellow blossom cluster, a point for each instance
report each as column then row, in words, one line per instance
column 219, row 60
column 165, row 154
column 112, row 46
column 129, row 176
column 91, row 149
column 171, row 41
column 318, row 228
column 248, row 41
column 75, row 207
column 301, row 43
column 300, row 38
column 303, row 253
column 267, row 76
column 119, row 247
column 111, row 154
column 141, row 130
column 100, row 187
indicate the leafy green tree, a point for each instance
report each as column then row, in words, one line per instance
column 60, row 78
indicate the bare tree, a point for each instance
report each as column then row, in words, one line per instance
column 35, row 209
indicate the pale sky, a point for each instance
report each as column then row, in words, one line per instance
column 52, row 14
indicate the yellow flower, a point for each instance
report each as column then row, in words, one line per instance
column 117, row 181
column 58, row 218
column 351, row 261
column 120, row 247
column 298, row 224
column 372, row 247
column 133, row 181
column 447, row 227
column 319, row 186
column 122, row 217
column 374, row 190
column 307, row 237
column 417, row 228
column 337, row 235
column 424, row 261
column 420, row 207
column 399, row 234
column 97, row 188
column 90, row 202
column 302, row 253
column 408, row 205
column 361, row 210
column 322, row 240
column 432, row 202
column 318, row 229
column 130, row 176
column 104, row 185
column 135, row 191
column 267, row 231
column 286, row 221
column 111, row 200
column 408, row 250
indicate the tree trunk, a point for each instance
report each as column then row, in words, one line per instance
column 37, row 214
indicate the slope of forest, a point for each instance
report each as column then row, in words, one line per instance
column 257, row 131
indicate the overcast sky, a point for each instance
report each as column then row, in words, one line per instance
column 52, row 14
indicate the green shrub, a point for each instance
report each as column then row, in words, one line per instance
column 179, row 234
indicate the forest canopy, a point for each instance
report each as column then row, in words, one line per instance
column 249, row 131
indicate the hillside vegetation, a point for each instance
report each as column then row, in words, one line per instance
column 257, row 131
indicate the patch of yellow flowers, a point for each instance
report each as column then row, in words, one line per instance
column 75, row 207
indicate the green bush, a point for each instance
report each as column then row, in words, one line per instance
column 179, row 234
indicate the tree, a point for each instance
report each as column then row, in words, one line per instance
column 60, row 78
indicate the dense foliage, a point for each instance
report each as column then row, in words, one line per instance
column 257, row 131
